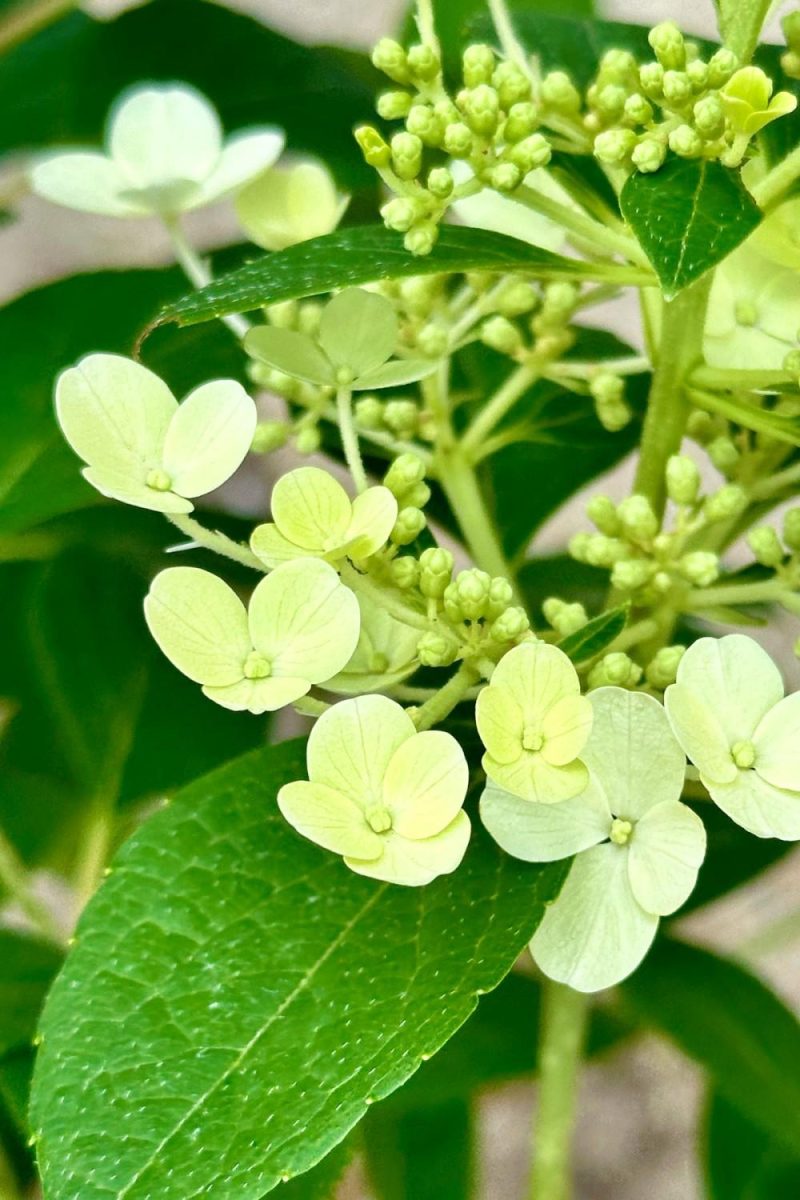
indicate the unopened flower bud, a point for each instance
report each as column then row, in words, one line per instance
column 406, row 155
column 602, row 512
column 724, row 455
column 609, row 101
column 614, row 145
column 790, row 65
column 307, row 440
column 766, row 546
column 499, row 334
column 685, row 142
column 433, row 341
column 436, row 650
column 662, row 670
column 632, row 574
column 638, row 109
column 400, row 213
column 648, row 155
column 677, row 88
column 699, row 567
column 504, row 176
column 283, row 315
column 404, row 572
column 458, row 139
column 510, row 625
column 722, row 64
column 728, row 502
column 651, row 80
column 559, row 93
column 368, row 412
column 500, row 596
column 531, row 152
column 481, row 109
column 393, row 106
column 423, row 62
column 270, row 435
column 375, row 150
column 521, row 121
column 408, row 526
column 615, row 670
column 639, row 521
column 435, row 571
column 618, row 66
column 709, row 116
column 477, row 63
column 578, row 546
column 683, row 479
column 423, row 122
column 697, row 73
column 401, row 416
column 563, row 617
column 791, row 529
column 390, row 58
column 440, row 183
column 602, row 551
column 420, row 240
column 406, row 471
column 668, row 45
column 511, row 84
column 471, row 590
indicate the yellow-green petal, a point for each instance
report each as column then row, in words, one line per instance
column 289, row 205
column 425, row 784
column 665, row 853
column 416, row 863
column 244, row 157
column 386, row 653
column 500, row 724
column 329, row 818
column 163, row 139
column 358, row 330
column 777, row 744
column 118, row 485
column 352, row 744
column 536, row 676
column 258, row 696
column 757, row 806
column 545, row 832
column 566, row 728
column 395, row 374
column 200, row 624
column 532, row 778
column 273, row 548
column 373, row 515
column 294, row 353
column 311, row 509
column 209, row 437
column 698, row 730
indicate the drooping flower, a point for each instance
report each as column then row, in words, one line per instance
column 300, row 628
column 638, row 848
column 729, row 713
column 357, row 337
column 139, row 444
column 385, row 797
column 288, row 205
column 164, row 155
column 314, row 517
column 534, row 724
column 385, row 655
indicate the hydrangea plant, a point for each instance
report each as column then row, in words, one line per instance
column 472, row 765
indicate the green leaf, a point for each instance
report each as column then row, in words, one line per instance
column 596, row 635
column 742, row 1162
column 735, row 1027
column 750, row 415
column 270, row 993
column 422, row 1154
column 740, row 23
column 688, row 217
column 366, row 253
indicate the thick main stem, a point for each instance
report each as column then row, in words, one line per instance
column 442, row 703
column 564, row 1014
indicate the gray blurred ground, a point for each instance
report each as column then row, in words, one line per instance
column 638, row 1109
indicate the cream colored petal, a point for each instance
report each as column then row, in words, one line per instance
column 352, row 744
column 244, row 157
column 199, row 623
column 777, row 744
column 566, row 728
column 395, row 374
column 209, row 437
column 294, row 353
column 759, row 807
column 289, row 205
column 311, row 508
column 425, row 784
column 329, row 818
column 84, row 180
column 503, row 214
column 696, row 726
column 161, row 135
column 665, row 854
column 386, row 653
column 537, row 676
column 500, row 724
column 534, row 779
column 595, row 933
column 374, row 513
column 128, row 487
column 273, row 548
column 633, row 752
column 258, row 696
column 415, row 863
column 735, row 678
column 358, row 330
column 545, row 832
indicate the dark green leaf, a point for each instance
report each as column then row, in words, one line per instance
column 365, row 254
column 688, row 217
column 422, row 1154
column 595, row 636
column 735, row 1027
column 320, row 1182
column 742, row 1161
column 740, row 23
column 267, row 995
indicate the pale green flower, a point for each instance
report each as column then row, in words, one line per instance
column 749, row 103
column 164, row 155
column 139, row 444
column 385, row 797
column 728, row 711
column 385, row 655
column 638, row 848
column 492, row 210
column 300, row 628
column 357, row 336
column 288, row 205
column 314, row 517
column 754, row 310
column 534, row 723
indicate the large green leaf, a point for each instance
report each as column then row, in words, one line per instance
column 422, row 1154
column 688, row 217
column 267, row 995
column 734, row 1026
column 740, row 23
column 365, row 254
column 742, row 1162
column 60, row 83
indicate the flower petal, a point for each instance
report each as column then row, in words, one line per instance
column 777, row 743
column 258, row 696
column 500, row 724
column 395, row 374
column 351, row 746
column 632, row 751
column 329, row 818
column 244, row 157
column 160, row 136
column 209, row 437
column 304, row 620
column 532, row 778
column 545, row 832
column 415, row 863
column 697, row 728
column 735, row 678
column 664, row 855
column 273, row 548
column 122, row 485
column 503, row 214
column 566, row 727
column 311, row 508
column 358, row 330
column 294, row 353
column 199, row 623
column 425, row 784
column 87, row 181
column 374, row 513
column 537, row 676
column 758, row 807
column 386, row 653
column 289, row 205
column 595, row 933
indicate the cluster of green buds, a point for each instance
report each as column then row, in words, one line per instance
column 451, row 146
column 779, row 552
column 790, row 60
column 309, row 399
column 608, row 392
column 679, row 102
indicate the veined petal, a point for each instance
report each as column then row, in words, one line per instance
column 329, row 818
column 758, row 807
column 199, row 623
column 697, row 727
column 128, row 486
column 351, row 746
column 161, row 135
column 258, row 696
column 415, row 863
column 209, row 437
column 289, row 205
column 545, row 832
column 358, row 330
column 114, row 413
column 85, row 180
column 633, row 752
column 566, row 728
column 311, row 508
column 386, row 653
column 395, row 374
column 735, row 678
column 304, row 620
column 425, row 784
column 244, row 157
column 534, row 779
column 537, row 676
column 374, row 513
column 294, row 353
column 273, row 548
column 777, row 744
column 595, row 933
column 780, row 106
column 500, row 724
column 664, row 855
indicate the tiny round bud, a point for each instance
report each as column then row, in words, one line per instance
column 283, row 315
column 685, row 142
column 668, row 45
column 481, row 108
column 270, row 435
column 602, row 551
column 610, row 102
column 638, row 109
column 709, row 116
column 421, row 239
column 697, row 73
column 651, row 80
column 517, row 298
column 440, row 183
column 499, row 334
column 307, row 440
column 393, row 106
column 791, row 529
column 729, row 501
column 510, row 625
column 390, row 58
column 648, row 155
column 560, row 300
column 559, row 93
column 458, row 139
column 505, row 176
column 618, row 66
column 790, row 65
column 607, row 387
column 531, row 152
column 602, row 512
column 368, row 412
column 472, row 593
column 615, row 670
column 700, row 426
column 408, row 526
column 435, row 571
column 436, row 650
column 578, row 546
column 423, row 122
column 677, row 88
column 614, row 145
column 158, row 480
column 373, row 147
column 722, row 64
column 724, row 455
column 699, row 567
column 511, row 84
column 406, row 471
column 521, row 121
column 401, row 416
column 564, row 618
column 501, row 594
column 406, row 155
column 404, row 572
column 418, row 495
column 400, row 213
column 477, row 64
column 639, row 521
column 662, row 670
column 433, row 341
column 766, row 546
column 683, row 479
column 631, row 574
column 423, row 62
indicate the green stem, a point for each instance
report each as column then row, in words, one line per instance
column 219, row 543
column 197, row 271
column 778, row 180
column 347, row 429
column 426, row 24
column 776, row 483
column 582, row 226
column 722, row 379
column 564, row 1017
column 442, row 703
column 16, row 881
column 94, row 855
column 508, row 39
column 634, row 364
column 498, row 405
column 680, row 347
column 762, row 591
column 28, row 18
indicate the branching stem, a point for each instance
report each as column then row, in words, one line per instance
column 219, row 543
column 442, row 703
column 564, row 1017
column 347, row 429
column 197, row 272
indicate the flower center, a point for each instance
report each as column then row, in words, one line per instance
column 158, row 480
column 621, row 831
column 532, row 738
column 379, row 820
column 746, row 313
column 743, row 754
column 256, row 666
column 344, row 376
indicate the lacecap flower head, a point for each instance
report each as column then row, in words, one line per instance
column 534, row 724
column 300, row 628
column 164, row 155
column 385, row 655
column 139, row 444
column 729, row 713
column 357, row 337
column 288, row 205
column 638, row 848
column 385, row 797
column 314, row 517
